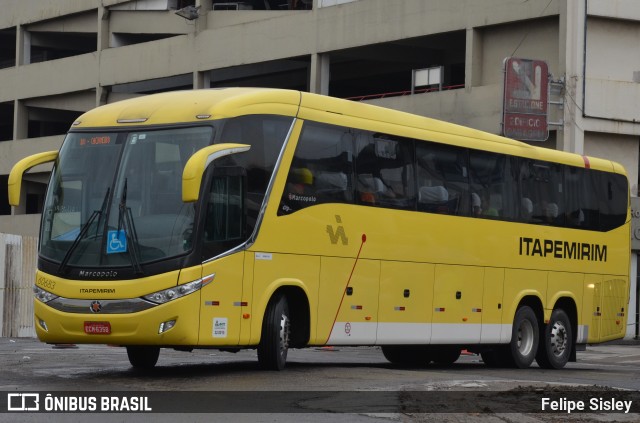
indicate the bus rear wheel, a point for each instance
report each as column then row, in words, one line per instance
column 143, row 357
column 524, row 338
column 557, row 342
column 276, row 331
column 495, row 358
column 407, row 355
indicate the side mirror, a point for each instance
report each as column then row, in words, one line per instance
column 198, row 163
column 15, row 177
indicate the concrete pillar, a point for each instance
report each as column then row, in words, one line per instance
column 572, row 39
column 201, row 80
column 103, row 28
column 320, row 73
column 102, row 93
column 473, row 59
column 205, row 7
column 23, row 46
column 20, row 120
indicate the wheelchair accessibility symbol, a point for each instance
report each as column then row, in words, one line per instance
column 116, row 242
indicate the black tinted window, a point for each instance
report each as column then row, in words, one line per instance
column 345, row 165
column 493, row 186
column 541, row 192
column 613, row 193
column 385, row 171
column 266, row 135
column 443, row 179
column 321, row 170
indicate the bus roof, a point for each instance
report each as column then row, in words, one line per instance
column 190, row 106
column 210, row 104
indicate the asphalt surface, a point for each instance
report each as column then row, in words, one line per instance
column 351, row 384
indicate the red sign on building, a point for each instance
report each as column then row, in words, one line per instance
column 525, row 104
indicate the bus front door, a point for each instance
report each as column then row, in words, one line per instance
column 221, row 303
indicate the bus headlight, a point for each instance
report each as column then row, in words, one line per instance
column 174, row 293
column 42, row 295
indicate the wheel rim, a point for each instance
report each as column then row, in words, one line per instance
column 558, row 339
column 284, row 335
column 525, row 338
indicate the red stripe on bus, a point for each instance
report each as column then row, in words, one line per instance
column 344, row 291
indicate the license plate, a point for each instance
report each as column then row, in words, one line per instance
column 97, row 328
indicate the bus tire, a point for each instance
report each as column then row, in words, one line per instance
column 407, row 355
column 143, row 357
column 445, row 355
column 557, row 341
column 276, row 330
column 494, row 358
column 524, row 338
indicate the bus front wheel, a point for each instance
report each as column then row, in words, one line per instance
column 555, row 347
column 524, row 338
column 276, row 330
column 142, row 357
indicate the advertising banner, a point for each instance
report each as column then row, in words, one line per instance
column 525, row 103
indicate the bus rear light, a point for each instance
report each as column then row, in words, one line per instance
column 42, row 295
column 165, row 326
column 171, row 294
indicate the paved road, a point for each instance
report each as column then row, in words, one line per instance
column 27, row 365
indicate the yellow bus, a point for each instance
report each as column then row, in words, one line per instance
column 275, row 219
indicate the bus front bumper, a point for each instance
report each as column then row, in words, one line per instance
column 147, row 327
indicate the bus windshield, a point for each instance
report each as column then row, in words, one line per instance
column 115, row 197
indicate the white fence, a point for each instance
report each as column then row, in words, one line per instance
column 18, row 260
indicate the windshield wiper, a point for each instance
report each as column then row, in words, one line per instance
column 83, row 232
column 125, row 220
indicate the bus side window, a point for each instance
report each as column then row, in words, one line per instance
column 493, row 185
column 225, row 214
column 443, row 179
column 266, row 135
column 613, row 191
column 542, row 183
column 321, row 170
column 434, row 199
column 580, row 213
column 385, row 171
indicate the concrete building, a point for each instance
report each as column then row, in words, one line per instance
column 62, row 57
